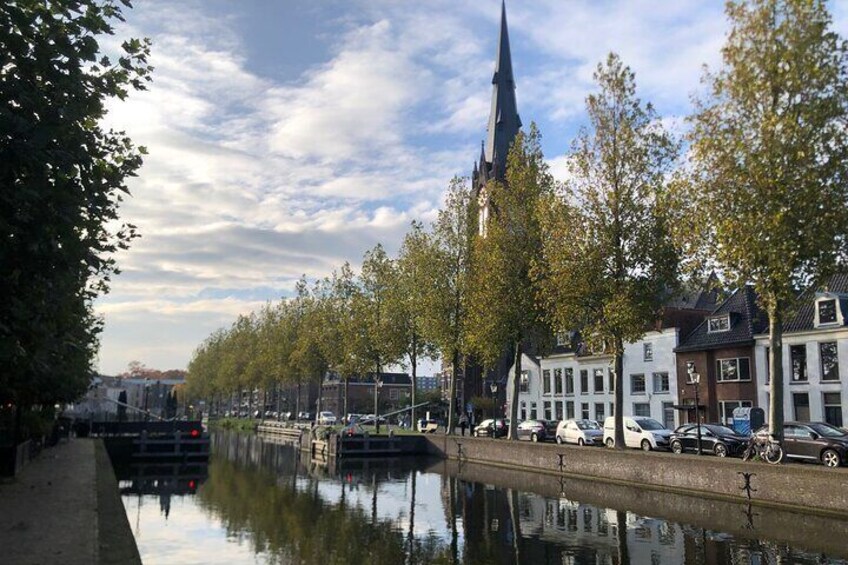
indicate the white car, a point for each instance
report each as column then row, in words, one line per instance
column 639, row 431
column 326, row 419
column 581, row 432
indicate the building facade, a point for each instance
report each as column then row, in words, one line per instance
column 394, row 391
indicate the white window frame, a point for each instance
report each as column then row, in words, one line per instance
column 524, row 383
column 719, row 326
column 726, row 416
column 647, row 404
column 655, row 376
column 648, row 352
column 635, row 392
column 835, row 321
column 821, row 361
column 546, row 382
column 720, row 378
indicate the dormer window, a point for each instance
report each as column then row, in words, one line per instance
column 718, row 324
column 828, row 311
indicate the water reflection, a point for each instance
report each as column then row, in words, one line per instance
column 263, row 503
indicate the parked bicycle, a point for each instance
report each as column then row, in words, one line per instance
column 766, row 447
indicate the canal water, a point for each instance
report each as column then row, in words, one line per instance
column 260, row 501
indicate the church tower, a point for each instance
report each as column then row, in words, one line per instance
column 504, row 124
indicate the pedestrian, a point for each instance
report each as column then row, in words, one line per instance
column 463, row 422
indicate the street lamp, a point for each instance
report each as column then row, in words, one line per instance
column 378, row 384
column 494, row 388
column 694, row 380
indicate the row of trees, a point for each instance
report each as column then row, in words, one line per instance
column 760, row 194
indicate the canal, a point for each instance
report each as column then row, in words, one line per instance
column 260, row 501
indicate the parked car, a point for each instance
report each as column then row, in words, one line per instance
column 537, row 430
column 326, row 419
column 353, row 418
column 639, row 431
column 428, row 426
column 581, row 432
column 715, row 438
column 368, row 420
column 491, row 428
column 304, row 416
column 353, row 430
column 814, row 441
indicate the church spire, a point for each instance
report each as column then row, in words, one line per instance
column 504, row 122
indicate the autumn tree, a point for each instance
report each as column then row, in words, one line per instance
column 504, row 313
column 769, row 148
column 607, row 262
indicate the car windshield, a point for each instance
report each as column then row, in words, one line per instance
column 826, row 430
column 649, row 424
column 587, row 425
column 720, row 430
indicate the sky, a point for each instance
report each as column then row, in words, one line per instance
column 287, row 137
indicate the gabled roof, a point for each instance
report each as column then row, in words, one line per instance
column 804, row 318
column 746, row 320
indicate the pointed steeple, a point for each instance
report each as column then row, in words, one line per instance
column 504, row 122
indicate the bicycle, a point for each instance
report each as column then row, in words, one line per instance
column 766, row 448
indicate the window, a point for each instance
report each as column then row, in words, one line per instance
column 599, row 412
column 599, row 380
column 827, row 311
column 569, row 410
column 557, row 381
column 524, row 385
column 668, row 415
column 569, row 381
column 829, row 361
column 726, row 408
column 612, row 409
column 523, row 409
column 733, row 369
column 611, row 388
column 547, row 408
column 801, row 404
column 546, row 382
column 584, row 410
column 534, row 414
column 558, row 410
column 584, row 381
column 648, row 350
column 798, row 354
column 642, row 409
column 561, row 338
column 637, row 384
column 768, row 361
column 661, row 383
column 718, row 324
column 833, row 408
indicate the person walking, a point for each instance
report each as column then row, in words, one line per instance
column 463, row 422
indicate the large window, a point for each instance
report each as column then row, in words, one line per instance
column 801, row 404
column 522, row 408
column 726, row 408
column 611, row 388
column 642, row 409
column 733, row 369
column 599, row 412
column 534, row 414
column 829, row 361
column 661, row 383
column 827, row 311
column 718, row 324
column 637, row 384
column 768, row 362
column 648, row 351
column 524, row 385
column 558, row 410
column 599, row 380
column 584, row 410
column 584, row 381
column 557, row 381
column 546, row 382
column 569, row 410
column 668, row 415
column 798, row 355
column 547, row 408
column 569, row 381
column 833, row 408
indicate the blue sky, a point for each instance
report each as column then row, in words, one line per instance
column 286, row 137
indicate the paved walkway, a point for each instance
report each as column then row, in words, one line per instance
column 48, row 514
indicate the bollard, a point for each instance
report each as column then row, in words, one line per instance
column 747, row 486
column 561, row 461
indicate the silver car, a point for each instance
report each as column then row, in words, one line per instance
column 581, row 432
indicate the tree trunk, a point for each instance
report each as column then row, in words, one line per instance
column 776, row 372
column 516, row 387
column 452, row 395
column 297, row 402
column 619, row 395
column 320, row 404
column 414, row 362
column 346, row 380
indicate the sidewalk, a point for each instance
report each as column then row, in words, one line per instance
column 48, row 514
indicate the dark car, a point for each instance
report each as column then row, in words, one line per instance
column 537, row 430
column 491, row 428
column 814, row 441
column 715, row 438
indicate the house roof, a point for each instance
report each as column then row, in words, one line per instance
column 746, row 320
column 804, row 318
column 400, row 379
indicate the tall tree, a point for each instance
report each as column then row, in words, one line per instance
column 770, row 159
column 607, row 262
column 62, row 177
column 448, row 281
column 504, row 311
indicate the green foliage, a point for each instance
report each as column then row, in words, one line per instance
column 62, row 178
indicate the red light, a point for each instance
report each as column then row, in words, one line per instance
column 192, row 484
column 195, row 433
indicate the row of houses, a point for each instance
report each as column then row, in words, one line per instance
column 725, row 342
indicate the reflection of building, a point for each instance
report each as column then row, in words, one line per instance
column 154, row 395
column 393, row 391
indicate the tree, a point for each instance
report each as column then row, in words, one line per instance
column 448, row 281
column 607, row 263
column 504, row 311
column 770, row 159
column 62, row 178
column 408, row 302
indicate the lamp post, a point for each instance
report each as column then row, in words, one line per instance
column 378, row 384
column 694, row 380
column 494, row 388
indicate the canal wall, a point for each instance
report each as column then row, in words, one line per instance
column 796, row 487
column 116, row 543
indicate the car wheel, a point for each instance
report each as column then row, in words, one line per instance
column 720, row 450
column 534, row 438
column 646, row 445
column 580, row 442
column 559, row 440
column 830, row 458
column 676, row 447
column 610, row 442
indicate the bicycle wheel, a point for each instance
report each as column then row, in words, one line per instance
column 773, row 454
